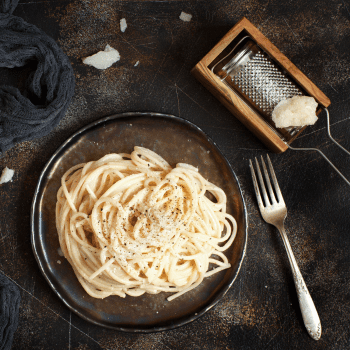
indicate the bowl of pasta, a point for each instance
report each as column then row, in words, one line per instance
column 138, row 222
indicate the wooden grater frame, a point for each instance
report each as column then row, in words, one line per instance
column 240, row 109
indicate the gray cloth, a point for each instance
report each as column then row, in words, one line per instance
column 48, row 89
column 8, row 6
column 9, row 309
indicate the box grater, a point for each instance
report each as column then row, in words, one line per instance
column 250, row 76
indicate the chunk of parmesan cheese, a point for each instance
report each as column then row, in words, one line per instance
column 295, row 111
column 6, row 175
column 103, row 59
column 186, row 17
column 123, row 25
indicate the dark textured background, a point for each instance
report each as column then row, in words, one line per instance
column 261, row 310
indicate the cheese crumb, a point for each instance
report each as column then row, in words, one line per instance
column 186, row 17
column 295, row 111
column 6, row 175
column 103, row 59
column 123, row 25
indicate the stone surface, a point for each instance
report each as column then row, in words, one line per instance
column 261, row 309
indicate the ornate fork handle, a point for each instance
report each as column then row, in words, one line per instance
column 308, row 310
column 274, row 211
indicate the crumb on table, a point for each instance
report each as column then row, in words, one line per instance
column 6, row 175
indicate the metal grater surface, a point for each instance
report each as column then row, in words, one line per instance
column 264, row 83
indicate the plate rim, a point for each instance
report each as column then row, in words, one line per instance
column 35, row 241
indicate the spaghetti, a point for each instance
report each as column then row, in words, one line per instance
column 132, row 224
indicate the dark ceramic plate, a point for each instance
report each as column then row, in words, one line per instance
column 176, row 140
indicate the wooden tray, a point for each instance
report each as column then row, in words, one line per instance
column 239, row 108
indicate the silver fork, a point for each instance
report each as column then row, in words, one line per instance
column 274, row 212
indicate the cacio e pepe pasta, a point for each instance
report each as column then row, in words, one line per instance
column 131, row 224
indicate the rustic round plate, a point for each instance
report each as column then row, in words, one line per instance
column 176, row 140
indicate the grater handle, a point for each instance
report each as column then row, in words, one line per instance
column 330, row 136
column 321, row 153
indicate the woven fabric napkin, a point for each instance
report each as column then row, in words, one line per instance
column 34, row 112
column 9, row 311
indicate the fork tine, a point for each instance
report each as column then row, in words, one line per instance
column 274, row 180
column 268, row 182
column 262, row 185
column 256, row 186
